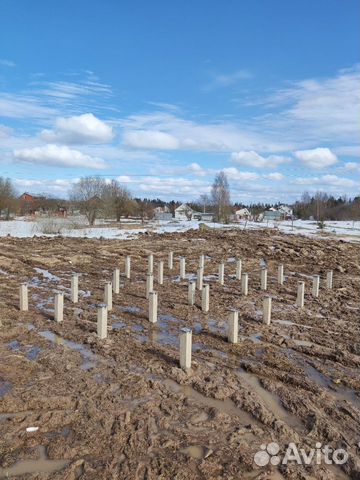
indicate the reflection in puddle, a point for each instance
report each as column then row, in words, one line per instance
column 130, row 309
column 33, row 352
column 343, row 393
column 46, row 274
column 271, row 401
column 226, row 406
column 14, row 345
column 255, row 337
column 88, row 356
column 41, row 465
column 5, row 387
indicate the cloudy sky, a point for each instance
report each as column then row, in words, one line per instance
column 163, row 94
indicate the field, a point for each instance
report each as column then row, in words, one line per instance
column 122, row 408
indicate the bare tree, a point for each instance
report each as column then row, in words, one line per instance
column 145, row 209
column 117, row 199
column 88, row 193
column 7, row 196
column 204, row 201
column 220, row 197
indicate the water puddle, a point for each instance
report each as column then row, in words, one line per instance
column 46, row 274
column 189, row 277
column 217, row 326
column 118, row 325
column 342, row 393
column 255, row 337
column 130, row 309
column 5, row 388
column 208, row 278
column 41, row 465
column 226, row 406
column 271, row 401
column 90, row 359
column 14, row 345
column 31, row 351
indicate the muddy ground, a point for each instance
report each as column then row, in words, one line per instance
column 121, row 408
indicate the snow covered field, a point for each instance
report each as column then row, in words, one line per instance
column 346, row 230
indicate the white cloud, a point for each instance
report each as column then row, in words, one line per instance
column 324, row 180
column 318, row 110
column 150, row 139
column 167, row 131
column 48, row 186
column 59, row 156
column 253, row 159
column 7, row 63
column 227, row 79
column 5, row 131
column 274, row 176
column 80, row 129
column 352, row 166
column 316, row 158
column 348, row 150
column 236, row 175
column 23, row 106
column 197, row 170
column 70, row 90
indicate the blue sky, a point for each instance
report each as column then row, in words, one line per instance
column 163, row 95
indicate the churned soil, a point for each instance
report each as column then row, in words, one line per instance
column 121, row 408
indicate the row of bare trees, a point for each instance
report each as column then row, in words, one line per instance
column 94, row 196
column 322, row 206
column 97, row 197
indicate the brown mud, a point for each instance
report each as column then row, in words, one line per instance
column 121, row 408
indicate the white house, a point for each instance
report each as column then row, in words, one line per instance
column 184, row 212
column 282, row 212
column 286, row 210
column 241, row 214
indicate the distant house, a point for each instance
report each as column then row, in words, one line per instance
column 242, row 214
column 31, row 204
column 286, row 211
column 162, row 213
column 282, row 212
column 185, row 212
column 26, row 197
column 203, row 217
column 272, row 214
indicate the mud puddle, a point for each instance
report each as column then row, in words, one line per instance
column 5, row 388
column 343, row 393
column 41, row 465
column 255, row 337
column 271, row 401
column 226, row 406
column 46, row 274
column 90, row 359
column 31, row 351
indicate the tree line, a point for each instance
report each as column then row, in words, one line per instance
column 96, row 197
